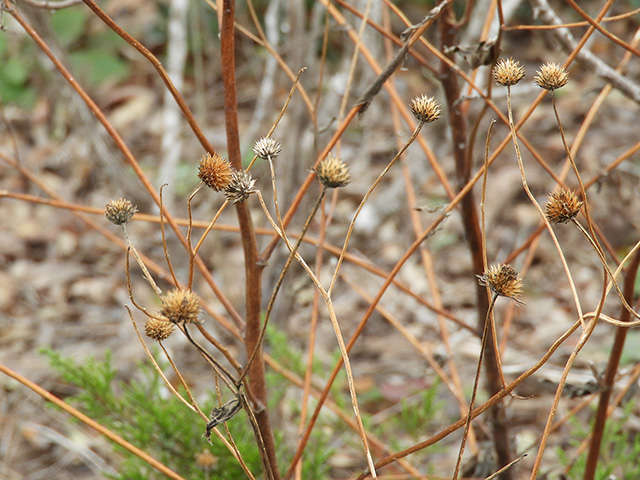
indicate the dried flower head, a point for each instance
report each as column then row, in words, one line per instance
column 206, row 460
column 158, row 329
column 241, row 186
column 425, row 109
column 562, row 206
column 120, row 211
column 551, row 76
column 333, row 172
column 503, row 280
column 180, row 306
column 215, row 171
column 267, row 148
column 508, row 72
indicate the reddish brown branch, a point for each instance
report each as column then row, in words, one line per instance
column 610, row 373
column 253, row 268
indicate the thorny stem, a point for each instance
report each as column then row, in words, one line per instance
column 467, row 425
column 284, row 271
column 364, row 200
column 336, row 327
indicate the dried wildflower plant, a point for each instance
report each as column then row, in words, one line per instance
column 503, row 280
column 333, row 172
column 562, row 206
column 215, row 172
column 180, row 306
column 241, row 186
column 425, row 109
column 267, row 148
column 157, row 329
column 507, row 72
column 120, row 212
column 551, row 76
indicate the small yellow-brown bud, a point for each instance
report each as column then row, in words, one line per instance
column 333, row 172
column 215, row 171
column 562, row 206
column 158, row 330
column 206, row 460
column 551, row 76
column 120, row 211
column 503, row 280
column 180, row 306
column 508, row 72
column 267, row 148
column 425, row 109
column 241, row 186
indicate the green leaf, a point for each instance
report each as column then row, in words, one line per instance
column 69, row 24
column 98, row 67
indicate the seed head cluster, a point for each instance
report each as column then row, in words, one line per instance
column 333, row 172
column 158, row 330
column 180, row 306
column 503, row 280
column 267, row 148
column 215, row 171
column 508, row 72
column 551, row 76
column 241, row 186
column 425, row 109
column 120, row 212
column 562, row 206
column 205, row 460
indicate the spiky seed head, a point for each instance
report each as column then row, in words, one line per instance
column 562, row 206
column 206, row 460
column 120, row 212
column 333, row 172
column 425, row 109
column 551, row 76
column 158, row 330
column 508, row 72
column 241, row 186
column 215, row 171
column 180, row 306
column 266, row 148
column 503, row 280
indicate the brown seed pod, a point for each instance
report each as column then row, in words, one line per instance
column 241, row 186
column 215, row 171
column 562, row 206
column 120, row 211
column 508, row 72
column 333, row 172
column 180, row 306
column 267, row 148
column 425, row 109
column 158, row 330
column 503, row 280
column 551, row 76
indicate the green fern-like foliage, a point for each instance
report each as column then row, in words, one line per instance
column 143, row 412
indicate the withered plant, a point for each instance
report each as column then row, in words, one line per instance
column 360, row 124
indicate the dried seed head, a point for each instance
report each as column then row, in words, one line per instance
column 425, row 109
column 562, row 206
column 333, row 172
column 241, row 186
column 503, row 280
column 180, row 306
column 120, row 211
column 266, row 148
column 158, row 329
column 215, row 171
column 551, row 76
column 508, row 72
column 206, row 460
